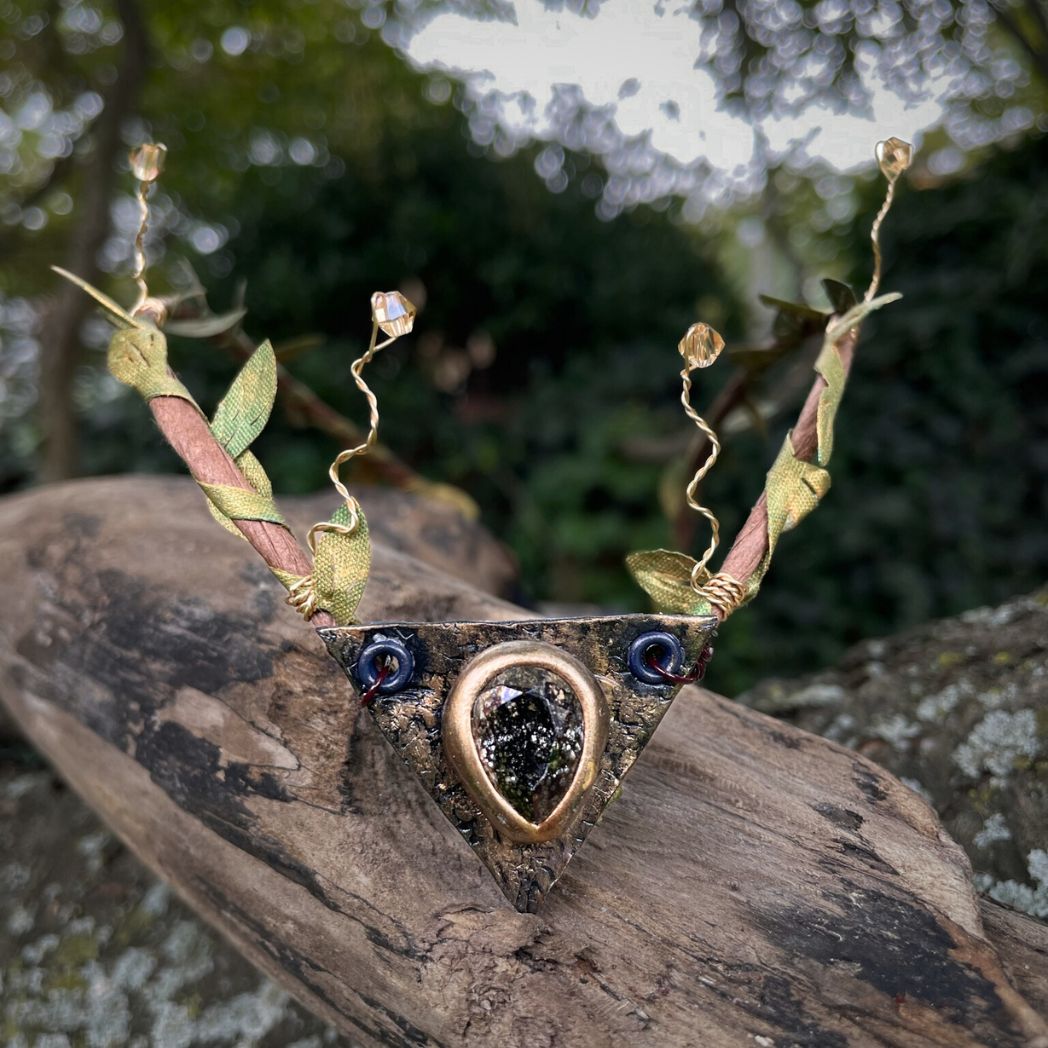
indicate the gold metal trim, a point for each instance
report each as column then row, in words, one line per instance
column 461, row 750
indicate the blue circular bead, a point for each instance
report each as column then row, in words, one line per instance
column 668, row 652
column 367, row 670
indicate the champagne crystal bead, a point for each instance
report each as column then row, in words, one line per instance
column 700, row 346
column 893, row 157
column 393, row 313
column 147, row 161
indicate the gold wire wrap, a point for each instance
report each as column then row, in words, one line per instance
column 893, row 157
column 875, row 240
column 700, row 347
column 302, row 595
column 724, row 592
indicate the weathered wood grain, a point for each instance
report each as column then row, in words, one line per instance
column 959, row 709
column 753, row 885
column 1022, row 944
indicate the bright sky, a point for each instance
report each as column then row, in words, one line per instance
column 632, row 41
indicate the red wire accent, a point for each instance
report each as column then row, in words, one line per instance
column 383, row 672
column 696, row 673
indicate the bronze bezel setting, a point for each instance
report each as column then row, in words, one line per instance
column 460, row 747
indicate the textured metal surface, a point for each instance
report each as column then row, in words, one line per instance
column 411, row 720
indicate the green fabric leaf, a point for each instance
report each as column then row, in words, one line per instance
column 665, row 576
column 858, row 313
column 117, row 314
column 341, row 567
column 244, row 410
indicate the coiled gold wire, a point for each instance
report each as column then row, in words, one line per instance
column 356, row 370
column 698, row 573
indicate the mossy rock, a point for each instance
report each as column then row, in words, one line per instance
column 94, row 951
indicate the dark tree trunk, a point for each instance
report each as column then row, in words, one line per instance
column 60, row 328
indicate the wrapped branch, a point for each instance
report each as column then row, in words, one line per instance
column 797, row 480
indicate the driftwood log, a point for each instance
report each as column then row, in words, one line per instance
column 753, row 885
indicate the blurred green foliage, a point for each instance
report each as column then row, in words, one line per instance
column 542, row 377
column 939, row 496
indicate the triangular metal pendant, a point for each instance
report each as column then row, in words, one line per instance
column 522, row 731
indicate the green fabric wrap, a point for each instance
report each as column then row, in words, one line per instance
column 138, row 358
column 241, row 504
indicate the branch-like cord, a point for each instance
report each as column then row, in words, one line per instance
column 187, row 431
column 747, row 552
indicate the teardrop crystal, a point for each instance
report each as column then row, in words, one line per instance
column 528, row 730
column 893, row 157
column 147, row 161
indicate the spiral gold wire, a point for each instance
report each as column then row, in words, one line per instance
column 356, row 370
column 698, row 573
column 700, row 347
column 893, row 157
column 138, row 273
column 146, row 161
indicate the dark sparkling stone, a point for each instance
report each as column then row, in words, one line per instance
column 527, row 724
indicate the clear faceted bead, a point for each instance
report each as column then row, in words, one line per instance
column 147, row 161
column 393, row 313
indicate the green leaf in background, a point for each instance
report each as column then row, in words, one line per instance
column 793, row 320
column 841, row 296
column 206, row 327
